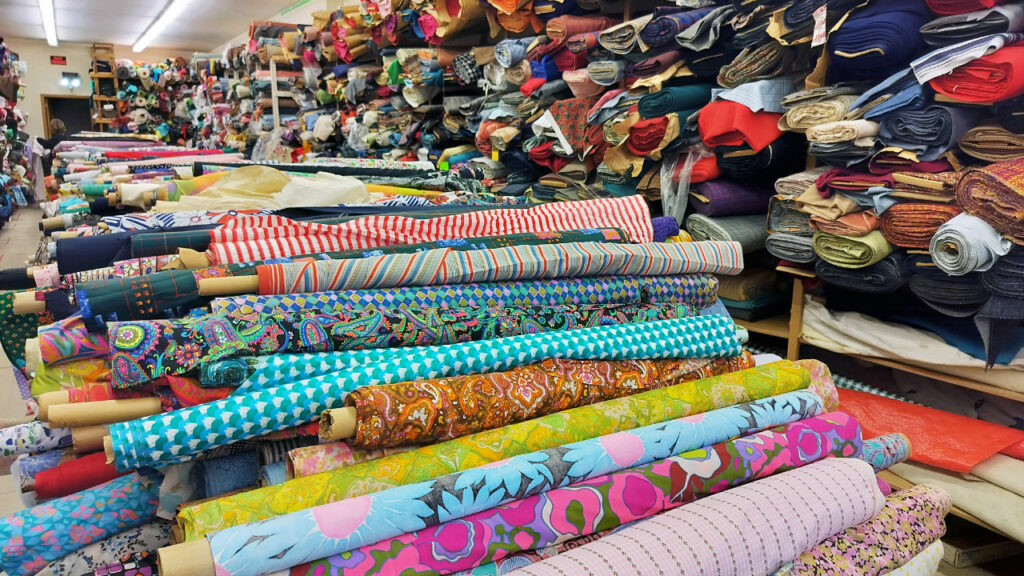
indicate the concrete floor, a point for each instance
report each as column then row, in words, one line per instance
column 18, row 241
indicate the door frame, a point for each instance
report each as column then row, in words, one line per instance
column 43, row 100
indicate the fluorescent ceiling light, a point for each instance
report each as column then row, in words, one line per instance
column 49, row 21
column 169, row 15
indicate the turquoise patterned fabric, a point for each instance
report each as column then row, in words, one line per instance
column 286, row 541
column 178, row 436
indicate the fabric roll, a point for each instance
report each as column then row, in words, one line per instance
column 855, row 224
column 791, row 247
column 796, row 184
column 32, row 437
column 385, row 414
column 883, row 277
column 142, row 351
column 689, row 288
column 510, row 52
column 926, row 562
column 959, row 296
column 767, row 60
column 503, row 264
column 704, row 33
column 663, row 29
column 784, row 216
column 851, row 251
column 1003, row 311
column 27, row 467
column 603, row 503
column 991, row 78
column 481, row 448
column 912, row 225
column 824, row 206
column 374, row 517
column 960, row 27
column 724, row 122
column 247, row 239
column 674, row 99
column 68, row 339
column 882, row 452
column 995, row 194
column 74, row 476
column 842, row 131
column 967, row 244
column 561, row 28
column 802, row 116
column 944, row 7
column 992, row 143
column 804, row 510
column 625, row 38
column 717, row 198
column 60, row 527
column 143, row 540
column 928, row 130
column 910, row 521
column 310, row 460
column 273, row 474
column 216, row 476
column 749, row 231
column 875, row 41
column 136, row 444
column 606, row 72
column 751, row 282
column 779, row 157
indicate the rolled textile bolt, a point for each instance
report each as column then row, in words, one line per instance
column 88, row 438
column 229, row 286
column 338, row 423
column 49, row 399
column 192, row 259
column 33, row 356
column 26, row 303
column 113, row 198
column 192, row 558
column 55, row 223
column 103, row 412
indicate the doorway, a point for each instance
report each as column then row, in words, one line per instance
column 73, row 110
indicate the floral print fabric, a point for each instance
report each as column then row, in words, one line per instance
column 138, row 544
column 910, row 521
column 33, row 538
column 142, row 351
column 601, row 503
column 345, row 525
column 483, row 448
column 426, row 411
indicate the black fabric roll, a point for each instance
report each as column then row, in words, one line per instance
column 883, row 277
column 15, row 279
column 782, row 157
column 956, row 296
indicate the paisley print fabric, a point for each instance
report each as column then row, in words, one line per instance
column 345, row 525
column 483, row 448
column 884, row 451
column 602, row 503
column 153, row 441
column 910, row 521
column 145, row 350
column 426, row 411
column 31, row 539
column 698, row 290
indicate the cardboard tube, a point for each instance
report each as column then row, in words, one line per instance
column 108, row 449
column 192, row 558
column 192, row 259
column 88, row 438
column 48, row 399
column 33, row 355
column 26, row 303
column 49, row 224
column 102, row 412
column 229, row 286
column 338, row 424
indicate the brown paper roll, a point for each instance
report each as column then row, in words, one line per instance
column 229, row 286
column 103, row 412
column 193, row 558
column 48, row 399
column 88, row 438
column 338, row 424
column 26, row 303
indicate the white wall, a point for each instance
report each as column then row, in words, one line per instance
column 42, row 78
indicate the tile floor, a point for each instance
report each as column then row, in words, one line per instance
column 18, row 241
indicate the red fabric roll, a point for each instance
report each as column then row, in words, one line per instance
column 937, row 438
column 703, row 170
column 727, row 123
column 566, row 60
column 546, row 157
column 913, row 225
column 646, row 135
column 993, row 78
column 74, row 476
column 948, row 7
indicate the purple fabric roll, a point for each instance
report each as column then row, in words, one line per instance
column 664, row 228
column 729, row 198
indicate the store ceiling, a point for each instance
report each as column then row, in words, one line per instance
column 205, row 25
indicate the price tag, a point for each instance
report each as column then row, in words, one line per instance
column 442, row 165
column 820, row 26
column 494, row 154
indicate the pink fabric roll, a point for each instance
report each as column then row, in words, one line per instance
column 751, row 529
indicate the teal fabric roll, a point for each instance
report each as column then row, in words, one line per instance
column 674, row 99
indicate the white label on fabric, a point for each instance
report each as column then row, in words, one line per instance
column 819, row 26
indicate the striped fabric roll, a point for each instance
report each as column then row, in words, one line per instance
column 248, row 239
column 435, row 267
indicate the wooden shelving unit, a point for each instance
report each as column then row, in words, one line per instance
column 102, row 53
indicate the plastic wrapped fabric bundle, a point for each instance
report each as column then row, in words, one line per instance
column 995, row 193
column 791, row 247
column 887, row 275
column 136, row 444
column 603, row 503
column 638, row 549
column 561, row 465
column 749, row 231
column 852, row 252
column 479, row 449
column 967, row 244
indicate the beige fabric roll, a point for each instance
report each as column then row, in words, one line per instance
column 810, row 202
column 103, row 412
column 803, row 116
column 992, row 143
column 842, row 131
column 796, row 184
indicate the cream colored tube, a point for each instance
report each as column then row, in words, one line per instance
column 338, row 424
column 88, row 438
column 48, row 399
column 229, row 286
column 103, row 412
column 192, row 558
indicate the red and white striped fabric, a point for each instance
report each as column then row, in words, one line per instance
column 248, row 239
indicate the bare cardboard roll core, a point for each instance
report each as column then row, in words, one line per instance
column 338, row 423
